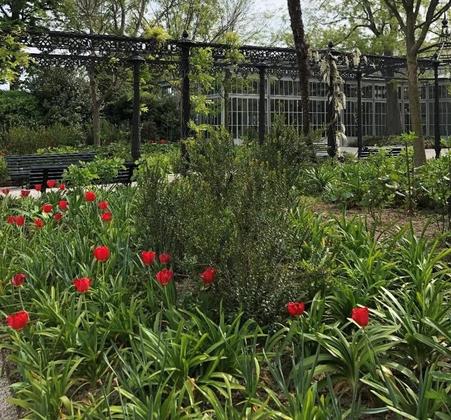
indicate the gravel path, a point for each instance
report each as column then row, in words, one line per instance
column 7, row 411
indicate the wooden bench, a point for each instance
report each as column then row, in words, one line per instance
column 368, row 151
column 124, row 175
column 41, row 174
column 20, row 166
column 321, row 149
column 30, row 170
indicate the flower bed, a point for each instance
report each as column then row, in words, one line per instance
column 99, row 325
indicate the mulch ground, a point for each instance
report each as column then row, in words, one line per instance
column 387, row 221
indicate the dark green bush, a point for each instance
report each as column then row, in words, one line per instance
column 18, row 108
column 3, row 171
column 62, row 95
column 24, row 140
column 231, row 211
column 284, row 149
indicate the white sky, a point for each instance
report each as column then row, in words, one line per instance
column 276, row 12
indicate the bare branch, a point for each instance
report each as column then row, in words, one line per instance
column 393, row 8
column 428, row 21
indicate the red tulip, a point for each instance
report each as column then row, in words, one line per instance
column 38, row 223
column 47, row 208
column 165, row 258
column 58, row 217
column 38, row 187
column 63, row 204
column 51, row 183
column 18, row 320
column 148, row 257
column 107, row 216
column 360, row 315
column 101, row 253
column 208, row 275
column 102, row 205
column 18, row 279
column 82, row 284
column 90, row 196
column 20, row 220
column 62, row 187
column 11, row 220
column 5, row 191
column 295, row 308
column 164, row 276
column 24, row 193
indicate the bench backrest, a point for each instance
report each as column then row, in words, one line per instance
column 19, row 166
column 41, row 174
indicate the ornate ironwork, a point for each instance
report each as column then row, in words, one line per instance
column 63, row 47
column 51, row 48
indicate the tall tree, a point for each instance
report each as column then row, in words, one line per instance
column 205, row 20
column 301, row 47
column 28, row 13
column 16, row 16
column 118, row 17
column 415, row 18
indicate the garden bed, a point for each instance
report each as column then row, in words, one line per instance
column 386, row 220
column 220, row 294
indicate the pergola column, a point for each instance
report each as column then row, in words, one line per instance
column 136, row 118
column 359, row 113
column 186, row 100
column 437, row 145
column 261, row 105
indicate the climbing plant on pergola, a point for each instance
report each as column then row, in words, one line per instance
column 52, row 48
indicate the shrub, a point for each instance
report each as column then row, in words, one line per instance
column 99, row 170
column 284, row 149
column 231, row 211
column 434, row 183
column 25, row 140
column 18, row 108
column 62, row 94
column 3, row 171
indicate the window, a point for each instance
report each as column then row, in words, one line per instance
column 380, row 92
column 380, row 118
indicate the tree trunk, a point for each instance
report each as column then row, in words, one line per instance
column 415, row 108
column 393, row 120
column 95, row 108
column 301, row 47
column 393, row 115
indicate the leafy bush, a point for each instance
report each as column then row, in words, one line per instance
column 62, row 95
column 284, row 149
column 3, row 171
column 25, row 140
column 99, row 170
column 379, row 181
column 18, row 108
column 231, row 211
column 434, row 183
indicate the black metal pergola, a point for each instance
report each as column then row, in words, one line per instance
column 68, row 49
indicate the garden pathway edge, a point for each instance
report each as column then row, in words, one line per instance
column 7, row 411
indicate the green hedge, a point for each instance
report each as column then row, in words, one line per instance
column 24, row 140
column 18, row 108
